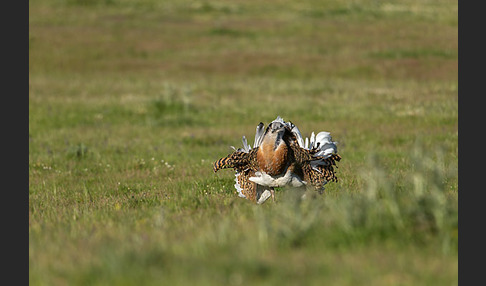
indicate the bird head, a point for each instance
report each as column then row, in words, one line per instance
column 275, row 132
column 276, row 127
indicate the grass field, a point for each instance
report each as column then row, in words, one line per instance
column 130, row 102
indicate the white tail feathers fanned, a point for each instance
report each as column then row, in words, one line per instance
column 325, row 145
column 259, row 135
column 246, row 147
column 258, row 140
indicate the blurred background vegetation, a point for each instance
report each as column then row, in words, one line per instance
column 130, row 102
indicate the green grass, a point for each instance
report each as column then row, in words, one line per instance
column 130, row 102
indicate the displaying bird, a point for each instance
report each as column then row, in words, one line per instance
column 280, row 157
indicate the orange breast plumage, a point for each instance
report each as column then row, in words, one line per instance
column 272, row 161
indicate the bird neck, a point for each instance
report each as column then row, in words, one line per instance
column 272, row 157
